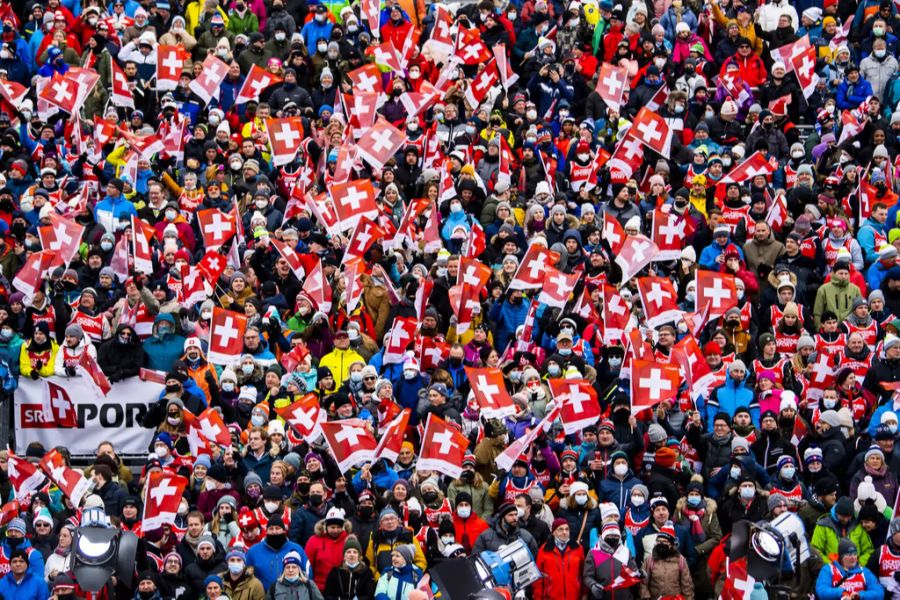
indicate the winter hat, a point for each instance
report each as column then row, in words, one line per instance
column 292, row 558
column 775, row 500
column 844, row 507
column 610, row 529
column 236, row 552
column 739, row 442
column 17, row 524
column 557, row 523
column 812, row 454
column 666, row 457
column 387, row 511
column 831, row 418
column 667, row 532
column 846, row 547
column 352, row 543
column 43, row 516
column 407, row 551
column 656, row 433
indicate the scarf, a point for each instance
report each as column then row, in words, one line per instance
column 696, row 526
column 192, row 541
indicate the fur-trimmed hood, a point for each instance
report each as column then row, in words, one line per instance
column 319, row 529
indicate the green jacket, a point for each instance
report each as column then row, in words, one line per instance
column 836, row 296
column 246, row 24
column 826, row 537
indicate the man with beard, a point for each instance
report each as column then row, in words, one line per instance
column 267, row 556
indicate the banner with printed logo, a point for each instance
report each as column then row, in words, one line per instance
column 116, row 418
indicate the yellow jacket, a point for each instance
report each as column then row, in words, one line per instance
column 339, row 361
column 26, row 366
column 192, row 16
column 748, row 32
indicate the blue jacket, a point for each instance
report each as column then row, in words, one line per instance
column 454, row 220
column 730, row 396
column 547, row 95
column 684, row 540
column 384, row 480
column 9, row 353
column 866, row 239
column 825, row 589
column 260, row 466
column 303, row 524
column 267, row 562
column 507, row 318
column 875, row 274
column 31, row 587
column 120, row 208
column 314, row 31
column 163, row 351
column 228, row 92
column 35, row 558
column 617, row 491
column 718, row 482
column 875, row 421
column 711, row 253
column 851, row 95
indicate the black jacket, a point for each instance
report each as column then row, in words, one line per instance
column 120, row 361
column 346, row 584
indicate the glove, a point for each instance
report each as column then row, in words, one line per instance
column 139, row 283
column 70, row 371
column 209, row 378
column 34, row 374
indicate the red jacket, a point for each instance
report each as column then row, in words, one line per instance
column 395, row 33
column 752, row 69
column 562, row 578
column 325, row 553
column 468, row 530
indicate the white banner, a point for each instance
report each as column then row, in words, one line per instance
column 116, row 419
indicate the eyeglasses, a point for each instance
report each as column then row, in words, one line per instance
column 369, row 378
column 41, row 525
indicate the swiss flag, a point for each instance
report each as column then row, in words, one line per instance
column 738, row 583
column 753, row 165
column 669, row 232
column 822, row 376
column 652, row 383
column 423, row 294
column 147, row 145
column 380, row 142
column 463, row 300
column 120, row 92
column 299, row 263
column 366, row 78
column 285, row 136
column 169, row 65
column 636, row 253
column 580, row 406
column 70, row 482
column 31, row 275
column 213, row 428
column 24, row 476
column 584, row 307
column 440, row 40
column 786, row 52
column 658, row 298
column 489, row 390
column 611, row 85
column 163, row 495
column 61, row 92
column 13, row 92
column 659, row 98
column 778, row 213
column 217, row 227
column 486, row 79
column 470, row 48
column 305, row 416
column 393, row 436
column 716, row 288
column 352, row 201
column 402, row 333
column 350, row 442
column 257, row 80
column 317, row 288
column 417, row 102
column 473, row 272
column 63, row 236
column 352, row 270
column 530, row 274
column 443, row 447
column 197, row 441
column 344, row 167
column 518, row 446
column 434, row 352
column 8, row 512
column 58, row 406
column 212, row 265
column 616, row 315
column 366, row 233
column 226, row 336
column 194, row 288
column 693, row 365
column 508, row 77
column 613, row 233
column 385, row 55
column 558, row 286
column 141, row 236
column 95, row 375
column 626, row 159
column 206, row 84
column 652, row 131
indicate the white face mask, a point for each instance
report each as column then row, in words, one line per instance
column 271, row 506
column 227, row 386
column 161, row 451
column 447, row 539
column 520, row 512
column 735, row 472
column 262, row 204
column 258, row 420
column 464, row 512
column 209, row 484
column 748, row 492
column 531, row 115
column 620, row 470
column 322, row 48
column 637, row 500
column 797, row 155
column 788, row 472
column 247, row 369
column 171, row 214
column 409, row 374
column 581, row 499
column 279, row 36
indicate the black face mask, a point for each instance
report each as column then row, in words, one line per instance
column 429, row 497
column 173, row 388
column 14, row 542
column 455, row 362
column 366, row 511
column 276, row 541
column 468, row 476
column 315, row 500
column 146, row 595
column 303, row 488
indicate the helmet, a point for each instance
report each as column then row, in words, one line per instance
column 492, row 594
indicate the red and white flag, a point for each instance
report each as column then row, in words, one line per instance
column 653, row 131
column 352, row 270
column 385, row 55
column 417, row 102
column 393, row 436
column 194, row 288
column 13, row 92
column 169, row 66
column 366, row 233
column 402, row 333
column 486, row 79
column 558, row 287
column 659, row 98
column 443, row 447
column 350, row 442
column 94, row 375
column 120, row 93
column 380, row 142
column 613, row 233
column 738, row 582
column 58, row 406
column 62, row 236
column 470, row 48
column 305, row 416
column 300, row 264
column 518, row 447
column 285, row 136
column 206, row 84
column 616, row 315
column 805, row 69
column 317, row 288
column 716, row 288
column 652, row 383
column 611, row 85
column 489, row 390
column 530, row 274
column 669, row 233
column 440, row 40
column 70, row 482
column 216, row 227
column 778, row 213
column 148, row 145
column 636, row 253
column 787, row 52
column 61, row 92
column 464, row 300
column 257, row 80
column 226, row 336
column 508, row 77
column 626, row 159
column 822, row 376
column 693, row 366
column 753, row 165
column 580, row 406
column 366, row 78
column 31, row 276
column 352, row 201
column 163, row 495
column 473, row 272
column 24, row 476
column 141, row 236
column 659, row 300
column 423, row 294
column 213, row 428
column 843, row 32
column 434, row 352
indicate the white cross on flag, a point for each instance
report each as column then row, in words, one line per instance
column 61, row 92
column 226, row 336
column 206, row 84
column 13, row 92
column 440, row 42
column 257, row 80
column 94, row 375
column 693, row 365
column 85, row 79
column 213, row 428
column 147, row 145
column 366, row 78
column 169, row 65
column 198, row 443
column 659, row 300
column 669, row 232
column 423, row 295
column 416, row 102
column 366, row 233
column 822, row 376
column 63, row 236
column 805, row 69
column 120, row 92
column 464, row 299
column 24, row 476
column 443, row 447
column 652, row 131
column 557, row 288
column 611, row 85
column 616, row 315
column 380, row 142
column 141, row 236
column 285, row 136
column 164, row 491
column 470, row 48
column 392, row 437
column 652, row 383
column 217, row 227
column 613, row 232
column 530, row 274
column 350, row 442
column 778, row 213
column 297, row 262
column 194, row 288
column 352, row 201
column 739, row 583
column 385, row 55
column 626, row 159
column 305, row 416
column 472, row 271
column 58, row 406
column 433, row 353
column 402, row 333
column 786, row 52
column 353, row 289
column 580, row 407
column 753, row 165
column 70, row 482
column 636, row 253
column 659, row 98
column 486, row 79
column 317, row 288
column 489, row 390
column 31, row 275
column 716, row 288
column 508, row 77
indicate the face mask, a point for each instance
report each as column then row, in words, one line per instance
column 442, row 272
column 690, row 296
column 710, row 114
column 531, row 115
column 320, row 18
column 258, row 420
column 553, row 370
column 161, row 451
column 447, row 539
column 788, row 472
column 356, row 376
column 271, row 506
column 464, row 512
column 429, row 497
column 511, row 16
column 735, row 472
column 455, row 207
column 106, row 246
column 171, row 214
column 620, row 470
column 829, row 402
column 637, row 500
column 235, row 166
column 6, row 334
column 173, row 421
column 315, row 500
column 236, row 568
column 247, row 369
column 740, row 294
column 293, row 579
column 409, row 374
column 565, row 351
column 352, row 28
column 797, row 155
column 615, row 363
column 262, row 204
column 892, row 429
column 279, row 36
column 581, row 499
column 322, row 48
column 531, row 140
column 748, row 492
column 694, row 500
column 584, row 157
column 880, row 53
column 515, row 376
column 470, row 130
column 209, row 484
column 878, row 32
column 659, row 62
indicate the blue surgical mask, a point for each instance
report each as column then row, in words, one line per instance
column 788, row 472
column 356, row 376
column 565, row 351
column 694, row 500
column 258, row 420
column 735, row 472
column 236, row 568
